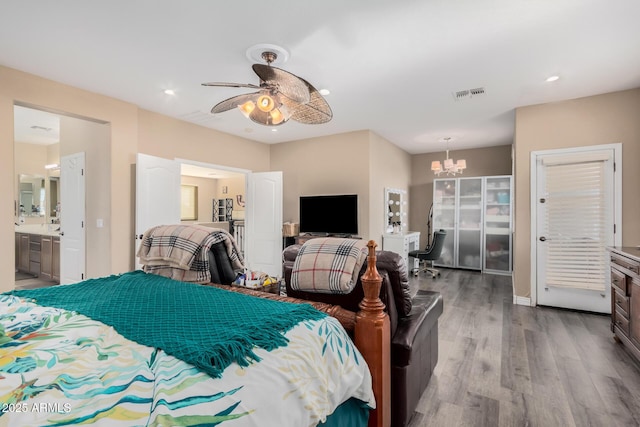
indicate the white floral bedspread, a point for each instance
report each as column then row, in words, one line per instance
column 62, row 368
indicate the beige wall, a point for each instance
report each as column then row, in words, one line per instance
column 390, row 167
column 235, row 186
column 595, row 120
column 207, row 191
column 92, row 138
column 16, row 86
column 480, row 162
column 358, row 162
column 337, row 164
column 170, row 138
column 131, row 130
column 361, row 163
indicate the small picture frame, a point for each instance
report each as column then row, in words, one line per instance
column 225, row 189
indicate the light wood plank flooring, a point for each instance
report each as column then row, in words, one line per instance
column 508, row 365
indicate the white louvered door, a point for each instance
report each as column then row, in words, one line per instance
column 575, row 224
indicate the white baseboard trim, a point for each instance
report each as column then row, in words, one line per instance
column 522, row 300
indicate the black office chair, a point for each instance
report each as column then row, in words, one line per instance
column 431, row 253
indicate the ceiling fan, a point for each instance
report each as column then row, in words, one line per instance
column 281, row 96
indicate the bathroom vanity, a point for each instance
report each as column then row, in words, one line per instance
column 38, row 251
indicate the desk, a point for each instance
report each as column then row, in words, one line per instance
column 403, row 243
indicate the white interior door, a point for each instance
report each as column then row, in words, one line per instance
column 575, row 223
column 72, row 218
column 157, row 194
column 263, row 246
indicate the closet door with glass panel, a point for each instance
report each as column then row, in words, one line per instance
column 469, row 224
column 444, row 218
column 497, row 225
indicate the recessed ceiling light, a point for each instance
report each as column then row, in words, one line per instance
column 552, row 79
column 324, row 92
column 169, row 92
column 274, row 130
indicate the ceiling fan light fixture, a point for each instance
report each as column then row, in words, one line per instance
column 247, row 108
column 279, row 115
column 276, row 116
column 265, row 103
column 281, row 95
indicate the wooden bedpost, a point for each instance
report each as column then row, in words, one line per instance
column 373, row 339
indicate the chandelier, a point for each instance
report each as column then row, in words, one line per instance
column 450, row 167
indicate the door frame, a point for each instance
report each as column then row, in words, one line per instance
column 533, row 191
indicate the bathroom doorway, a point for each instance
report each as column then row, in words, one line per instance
column 42, row 138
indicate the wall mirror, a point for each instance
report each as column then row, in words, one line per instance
column 32, row 197
column 395, row 211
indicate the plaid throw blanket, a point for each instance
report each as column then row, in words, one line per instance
column 328, row 265
column 180, row 252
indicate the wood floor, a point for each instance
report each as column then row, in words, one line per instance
column 509, row 365
column 33, row 283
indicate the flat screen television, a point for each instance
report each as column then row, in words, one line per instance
column 329, row 214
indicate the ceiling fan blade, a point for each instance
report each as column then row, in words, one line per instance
column 290, row 85
column 233, row 102
column 223, row 84
column 314, row 112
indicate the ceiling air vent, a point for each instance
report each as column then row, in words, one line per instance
column 199, row 118
column 468, row 93
column 46, row 129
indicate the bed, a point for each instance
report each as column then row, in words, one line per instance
column 62, row 363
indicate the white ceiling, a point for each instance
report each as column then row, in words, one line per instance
column 391, row 66
column 187, row 169
column 35, row 126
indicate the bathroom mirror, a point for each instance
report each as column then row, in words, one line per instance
column 395, row 211
column 32, row 196
column 54, row 196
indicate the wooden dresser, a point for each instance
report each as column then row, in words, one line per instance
column 625, row 296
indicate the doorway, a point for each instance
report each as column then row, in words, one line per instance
column 221, row 195
column 575, row 210
column 158, row 183
column 42, row 137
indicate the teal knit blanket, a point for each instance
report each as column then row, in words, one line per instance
column 205, row 326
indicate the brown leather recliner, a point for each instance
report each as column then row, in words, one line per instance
column 414, row 327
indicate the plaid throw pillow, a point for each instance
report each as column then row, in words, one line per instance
column 328, row 265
